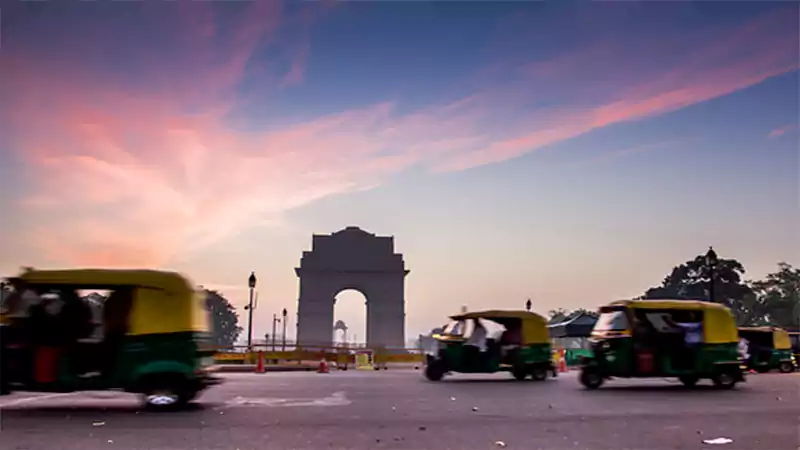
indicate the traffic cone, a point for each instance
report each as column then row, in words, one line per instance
column 260, row 363
column 323, row 366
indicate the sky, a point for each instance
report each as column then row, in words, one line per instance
column 567, row 152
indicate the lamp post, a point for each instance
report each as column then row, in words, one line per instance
column 274, row 321
column 283, row 339
column 251, row 283
column 528, row 305
column 711, row 263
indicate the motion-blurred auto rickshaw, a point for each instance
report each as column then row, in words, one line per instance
column 769, row 348
column 794, row 338
column 151, row 335
column 523, row 348
column 651, row 338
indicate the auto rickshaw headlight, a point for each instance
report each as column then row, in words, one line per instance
column 605, row 345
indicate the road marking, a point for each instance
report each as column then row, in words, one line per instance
column 22, row 401
column 336, row 399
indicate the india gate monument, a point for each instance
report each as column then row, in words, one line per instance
column 352, row 259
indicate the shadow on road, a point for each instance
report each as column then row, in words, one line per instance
column 93, row 411
column 674, row 388
column 495, row 381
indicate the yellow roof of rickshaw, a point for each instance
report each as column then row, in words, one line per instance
column 492, row 314
column 668, row 304
column 780, row 337
column 719, row 326
column 98, row 278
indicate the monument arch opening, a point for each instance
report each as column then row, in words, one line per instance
column 352, row 259
column 349, row 317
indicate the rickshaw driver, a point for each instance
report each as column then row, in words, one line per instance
column 478, row 337
column 476, row 343
column 692, row 336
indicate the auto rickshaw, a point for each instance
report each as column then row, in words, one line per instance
column 794, row 338
column 150, row 336
column 523, row 349
column 647, row 338
column 769, row 348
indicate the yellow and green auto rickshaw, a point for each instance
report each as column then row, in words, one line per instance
column 794, row 338
column 769, row 348
column 690, row 340
column 150, row 335
column 523, row 348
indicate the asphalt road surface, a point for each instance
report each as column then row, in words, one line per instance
column 399, row 410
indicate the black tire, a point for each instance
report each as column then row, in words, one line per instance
column 434, row 371
column 591, row 378
column 725, row 380
column 167, row 392
column 519, row 372
column 688, row 380
column 786, row 367
column 538, row 373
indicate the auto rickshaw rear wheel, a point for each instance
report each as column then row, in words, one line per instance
column 538, row 373
column 786, row 367
column 591, row 378
column 519, row 372
column 167, row 392
column 688, row 380
column 724, row 380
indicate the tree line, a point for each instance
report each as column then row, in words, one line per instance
column 773, row 300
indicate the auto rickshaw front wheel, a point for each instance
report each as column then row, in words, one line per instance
column 786, row 367
column 434, row 370
column 591, row 378
column 688, row 380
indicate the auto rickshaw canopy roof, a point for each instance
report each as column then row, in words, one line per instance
column 110, row 278
column 164, row 302
column 780, row 337
column 534, row 326
column 719, row 326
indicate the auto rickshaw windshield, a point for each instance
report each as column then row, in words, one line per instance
column 455, row 328
column 615, row 320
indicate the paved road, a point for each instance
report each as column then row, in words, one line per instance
column 398, row 410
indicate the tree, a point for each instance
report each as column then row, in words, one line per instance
column 690, row 281
column 224, row 319
column 778, row 296
column 5, row 292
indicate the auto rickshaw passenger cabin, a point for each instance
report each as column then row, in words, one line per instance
column 523, row 348
column 650, row 338
column 150, row 335
column 769, row 348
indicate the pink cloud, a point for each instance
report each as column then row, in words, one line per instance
column 782, row 130
column 137, row 174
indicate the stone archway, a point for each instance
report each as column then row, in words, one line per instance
column 352, row 259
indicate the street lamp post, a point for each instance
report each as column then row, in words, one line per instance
column 251, row 283
column 711, row 263
column 274, row 321
column 283, row 338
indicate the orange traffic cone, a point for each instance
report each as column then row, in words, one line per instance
column 260, row 363
column 562, row 362
column 323, row 366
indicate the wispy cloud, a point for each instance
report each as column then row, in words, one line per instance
column 137, row 172
column 782, row 130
